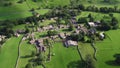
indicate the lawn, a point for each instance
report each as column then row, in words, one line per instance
column 108, row 48
column 63, row 56
column 25, row 53
column 9, row 53
column 86, row 49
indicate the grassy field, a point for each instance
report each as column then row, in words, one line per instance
column 9, row 53
column 25, row 54
column 98, row 16
column 19, row 27
column 108, row 48
column 86, row 49
column 47, row 22
column 17, row 10
column 63, row 57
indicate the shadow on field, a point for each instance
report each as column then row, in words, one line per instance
column 66, row 30
column 115, row 62
column 112, row 63
column 43, row 35
column 76, row 64
column 26, row 56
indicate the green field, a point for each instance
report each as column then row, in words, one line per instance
column 108, row 48
column 17, row 10
column 86, row 49
column 25, row 54
column 9, row 53
column 63, row 56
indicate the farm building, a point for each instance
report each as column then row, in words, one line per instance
column 62, row 36
column 102, row 36
column 70, row 43
column 16, row 34
column 2, row 37
column 91, row 24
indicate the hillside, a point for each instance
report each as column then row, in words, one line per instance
column 59, row 33
column 11, row 9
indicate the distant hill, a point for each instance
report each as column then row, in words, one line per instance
column 51, row 3
column 12, row 9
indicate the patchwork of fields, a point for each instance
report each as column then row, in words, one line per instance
column 17, row 10
column 64, row 57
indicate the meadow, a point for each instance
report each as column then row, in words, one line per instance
column 17, row 10
column 107, row 49
column 25, row 53
column 64, row 57
column 9, row 53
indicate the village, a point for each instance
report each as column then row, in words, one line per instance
column 69, row 35
column 59, row 34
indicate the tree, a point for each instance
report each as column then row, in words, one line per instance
column 81, row 7
column 117, row 58
column 47, row 42
column 104, row 10
column 105, row 25
column 82, row 20
column 70, row 27
column 29, row 65
column 89, row 16
column 106, row 0
column 91, row 19
column 114, row 23
column 111, row 15
column 90, row 8
column 27, row 29
column 58, row 21
column 77, row 37
column 52, row 32
column 33, row 53
column 90, row 62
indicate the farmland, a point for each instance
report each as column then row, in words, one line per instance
column 59, row 33
column 25, row 54
column 107, row 49
column 9, row 52
column 17, row 10
column 63, row 56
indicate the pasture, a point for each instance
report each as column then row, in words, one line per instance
column 108, row 48
column 9, row 53
column 64, row 57
column 22, row 10
column 25, row 53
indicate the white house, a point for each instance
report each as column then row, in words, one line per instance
column 91, row 24
column 70, row 43
column 102, row 36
